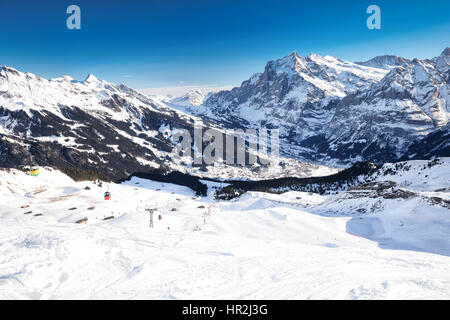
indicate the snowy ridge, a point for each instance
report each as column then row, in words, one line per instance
column 25, row 91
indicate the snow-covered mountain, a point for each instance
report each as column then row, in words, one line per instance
column 337, row 111
column 191, row 98
column 97, row 125
column 381, row 122
column 292, row 92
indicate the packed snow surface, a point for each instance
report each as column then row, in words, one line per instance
column 294, row 245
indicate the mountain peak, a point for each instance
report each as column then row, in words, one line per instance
column 290, row 62
column 446, row 52
column 91, row 78
column 294, row 54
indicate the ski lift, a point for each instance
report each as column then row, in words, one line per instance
column 107, row 194
column 34, row 171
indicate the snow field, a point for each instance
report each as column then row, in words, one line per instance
column 260, row 246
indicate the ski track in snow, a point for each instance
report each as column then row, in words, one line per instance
column 261, row 246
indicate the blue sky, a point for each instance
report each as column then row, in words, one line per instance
column 148, row 44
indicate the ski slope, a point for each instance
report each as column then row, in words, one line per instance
column 260, row 246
